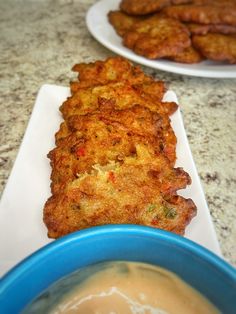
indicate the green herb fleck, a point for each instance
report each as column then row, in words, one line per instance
column 151, row 207
column 170, row 213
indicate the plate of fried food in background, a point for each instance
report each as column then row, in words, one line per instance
column 189, row 37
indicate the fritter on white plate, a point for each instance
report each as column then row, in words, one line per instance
column 115, row 154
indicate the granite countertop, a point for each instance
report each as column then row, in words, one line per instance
column 41, row 40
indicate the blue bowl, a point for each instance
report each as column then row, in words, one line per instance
column 202, row 269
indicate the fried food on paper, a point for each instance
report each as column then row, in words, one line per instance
column 217, row 47
column 115, row 154
column 203, row 29
column 188, row 55
column 118, row 193
column 203, row 14
column 140, row 7
column 157, row 37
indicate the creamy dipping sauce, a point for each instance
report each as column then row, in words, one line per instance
column 131, row 288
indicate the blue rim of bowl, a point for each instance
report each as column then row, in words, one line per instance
column 92, row 232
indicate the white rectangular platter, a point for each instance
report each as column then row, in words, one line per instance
column 22, row 230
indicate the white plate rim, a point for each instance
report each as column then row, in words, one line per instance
column 97, row 22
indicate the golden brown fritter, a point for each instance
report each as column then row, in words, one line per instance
column 203, row 14
column 188, row 55
column 114, row 194
column 154, row 90
column 119, row 70
column 105, row 135
column 217, row 47
column 140, row 7
column 203, row 29
column 181, row 1
column 121, row 97
column 121, row 94
column 137, row 119
column 113, row 69
column 80, row 154
column 115, row 153
column 214, row 2
column 122, row 22
column 157, row 37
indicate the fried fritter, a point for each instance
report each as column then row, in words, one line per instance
column 128, row 193
column 181, row 1
column 122, row 22
column 203, row 29
column 115, row 153
column 157, row 37
column 114, row 69
column 121, row 94
column 155, row 88
column 137, row 119
column 104, row 135
column 140, row 7
column 217, row 47
column 214, row 2
column 117, row 70
column 79, row 154
column 203, row 14
column 188, row 55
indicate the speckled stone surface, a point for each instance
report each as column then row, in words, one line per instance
column 39, row 43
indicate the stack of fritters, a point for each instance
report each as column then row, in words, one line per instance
column 186, row 31
column 115, row 153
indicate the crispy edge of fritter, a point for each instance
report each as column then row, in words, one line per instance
column 120, row 95
column 216, row 47
column 140, row 7
column 203, row 29
column 122, row 22
column 80, row 139
column 157, row 37
column 188, row 55
column 121, row 70
column 203, row 14
column 150, row 90
column 60, row 222
column 138, row 120
column 176, row 2
column 112, row 69
column 109, row 193
column 221, row 3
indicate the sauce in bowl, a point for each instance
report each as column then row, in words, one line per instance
column 122, row 288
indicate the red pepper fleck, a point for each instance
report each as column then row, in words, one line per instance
column 154, row 221
column 111, row 176
column 80, row 152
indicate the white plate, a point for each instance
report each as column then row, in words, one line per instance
column 102, row 30
column 22, row 230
